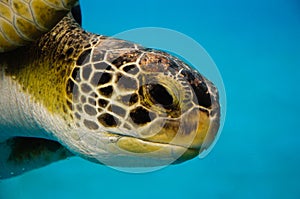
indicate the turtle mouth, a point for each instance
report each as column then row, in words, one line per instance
column 129, row 151
column 169, row 151
column 164, row 142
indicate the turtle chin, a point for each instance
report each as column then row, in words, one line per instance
column 133, row 152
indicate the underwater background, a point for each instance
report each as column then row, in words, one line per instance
column 256, row 46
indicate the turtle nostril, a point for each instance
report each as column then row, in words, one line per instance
column 160, row 95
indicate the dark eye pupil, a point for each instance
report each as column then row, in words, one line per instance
column 160, row 95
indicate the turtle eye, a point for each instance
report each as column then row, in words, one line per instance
column 160, row 95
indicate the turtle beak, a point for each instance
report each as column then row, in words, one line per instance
column 186, row 136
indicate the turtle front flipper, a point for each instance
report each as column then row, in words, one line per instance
column 22, row 154
column 25, row 21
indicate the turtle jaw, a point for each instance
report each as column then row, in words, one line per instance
column 164, row 153
column 131, row 152
column 195, row 133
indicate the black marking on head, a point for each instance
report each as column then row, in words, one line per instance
column 106, row 91
column 70, row 51
column 94, row 41
column 87, row 45
column 100, row 78
column 102, row 103
column 173, row 65
column 202, row 96
column 119, row 61
column 90, row 124
column 84, row 56
column 76, row 74
column 130, row 99
column 108, row 120
column 61, row 57
column 160, row 95
column 131, row 69
column 141, row 116
column 133, row 99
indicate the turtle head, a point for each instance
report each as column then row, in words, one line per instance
column 134, row 106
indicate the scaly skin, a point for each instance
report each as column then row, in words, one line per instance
column 113, row 101
column 107, row 100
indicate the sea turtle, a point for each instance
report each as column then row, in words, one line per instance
column 66, row 92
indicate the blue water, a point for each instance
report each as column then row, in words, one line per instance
column 256, row 46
